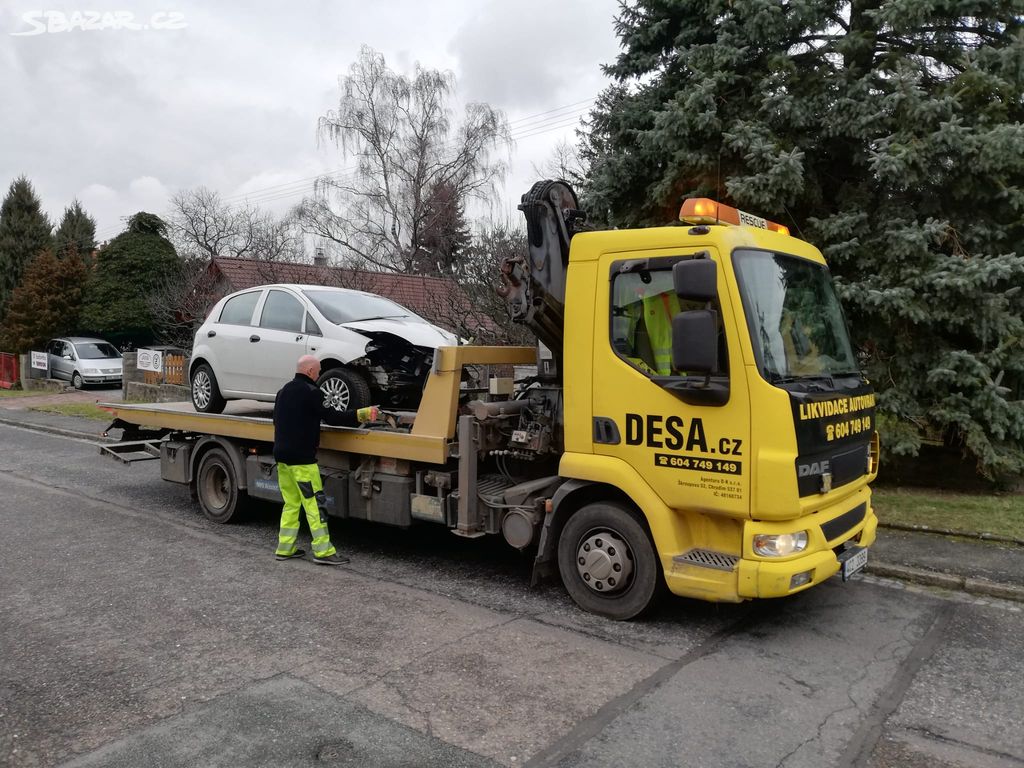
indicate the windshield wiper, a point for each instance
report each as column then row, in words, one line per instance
column 376, row 317
column 810, row 378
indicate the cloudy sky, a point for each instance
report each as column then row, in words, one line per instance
column 227, row 95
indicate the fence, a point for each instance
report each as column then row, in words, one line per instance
column 173, row 372
column 9, row 373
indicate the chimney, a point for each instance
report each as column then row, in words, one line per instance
column 319, row 260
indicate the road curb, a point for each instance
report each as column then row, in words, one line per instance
column 46, row 428
column 951, row 532
column 969, row 584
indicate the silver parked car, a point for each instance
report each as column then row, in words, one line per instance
column 84, row 361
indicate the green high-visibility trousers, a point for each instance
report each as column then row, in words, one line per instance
column 302, row 488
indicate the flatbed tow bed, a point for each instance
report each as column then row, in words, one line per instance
column 406, row 469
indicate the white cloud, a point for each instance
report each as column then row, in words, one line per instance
column 122, row 119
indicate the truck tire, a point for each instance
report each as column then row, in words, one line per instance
column 344, row 389
column 206, row 397
column 220, row 498
column 608, row 563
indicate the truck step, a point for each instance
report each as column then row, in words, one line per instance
column 132, row 451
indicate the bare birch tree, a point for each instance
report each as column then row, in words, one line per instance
column 400, row 133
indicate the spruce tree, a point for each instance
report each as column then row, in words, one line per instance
column 76, row 233
column 46, row 303
column 24, row 232
column 128, row 271
column 890, row 133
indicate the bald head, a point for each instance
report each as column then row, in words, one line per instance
column 309, row 366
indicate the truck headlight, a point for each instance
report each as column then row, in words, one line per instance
column 780, row 544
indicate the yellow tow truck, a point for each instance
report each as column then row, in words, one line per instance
column 697, row 423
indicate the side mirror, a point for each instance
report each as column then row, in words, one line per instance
column 696, row 279
column 68, row 357
column 695, row 340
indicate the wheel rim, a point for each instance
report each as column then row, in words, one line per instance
column 336, row 394
column 604, row 562
column 76, row 381
column 202, row 388
column 215, row 487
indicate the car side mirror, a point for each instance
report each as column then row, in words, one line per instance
column 696, row 279
column 695, row 341
column 68, row 357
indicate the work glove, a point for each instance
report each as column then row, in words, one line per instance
column 369, row 413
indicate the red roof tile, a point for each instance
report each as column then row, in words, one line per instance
column 440, row 300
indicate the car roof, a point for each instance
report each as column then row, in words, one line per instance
column 303, row 287
column 82, row 339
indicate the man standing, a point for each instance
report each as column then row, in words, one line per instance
column 298, row 411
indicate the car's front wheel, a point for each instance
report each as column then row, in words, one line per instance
column 206, row 397
column 344, row 389
column 76, row 380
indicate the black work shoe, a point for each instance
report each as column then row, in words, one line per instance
column 296, row 553
column 334, row 559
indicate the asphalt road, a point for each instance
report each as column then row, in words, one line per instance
column 134, row 632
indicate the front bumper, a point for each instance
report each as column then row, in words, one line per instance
column 90, row 378
column 752, row 576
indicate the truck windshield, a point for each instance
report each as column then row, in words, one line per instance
column 351, row 307
column 796, row 322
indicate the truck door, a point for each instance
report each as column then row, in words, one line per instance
column 686, row 435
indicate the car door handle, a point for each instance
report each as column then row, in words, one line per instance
column 299, row 337
column 211, row 334
column 254, row 338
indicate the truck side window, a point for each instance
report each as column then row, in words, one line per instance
column 643, row 305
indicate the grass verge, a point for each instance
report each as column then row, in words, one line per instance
column 22, row 392
column 999, row 514
column 82, row 410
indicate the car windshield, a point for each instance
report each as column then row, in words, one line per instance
column 91, row 350
column 795, row 319
column 348, row 307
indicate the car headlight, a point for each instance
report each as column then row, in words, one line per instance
column 90, row 371
column 780, row 544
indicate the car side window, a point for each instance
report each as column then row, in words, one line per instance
column 66, row 351
column 238, row 310
column 282, row 312
column 311, row 327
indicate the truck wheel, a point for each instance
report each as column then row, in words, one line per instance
column 607, row 562
column 217, row 487
column 206, row 397
column 344, row 389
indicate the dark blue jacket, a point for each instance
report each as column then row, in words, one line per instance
column 298, row 411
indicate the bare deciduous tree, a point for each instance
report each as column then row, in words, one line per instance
column 202, row 224
column 399, row 130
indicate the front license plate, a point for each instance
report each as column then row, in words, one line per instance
column 855, row 561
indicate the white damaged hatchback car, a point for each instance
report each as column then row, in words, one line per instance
column 371, row 350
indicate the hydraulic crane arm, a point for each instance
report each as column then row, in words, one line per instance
column 534, row 285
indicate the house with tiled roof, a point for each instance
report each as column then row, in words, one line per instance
column 440, row 300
